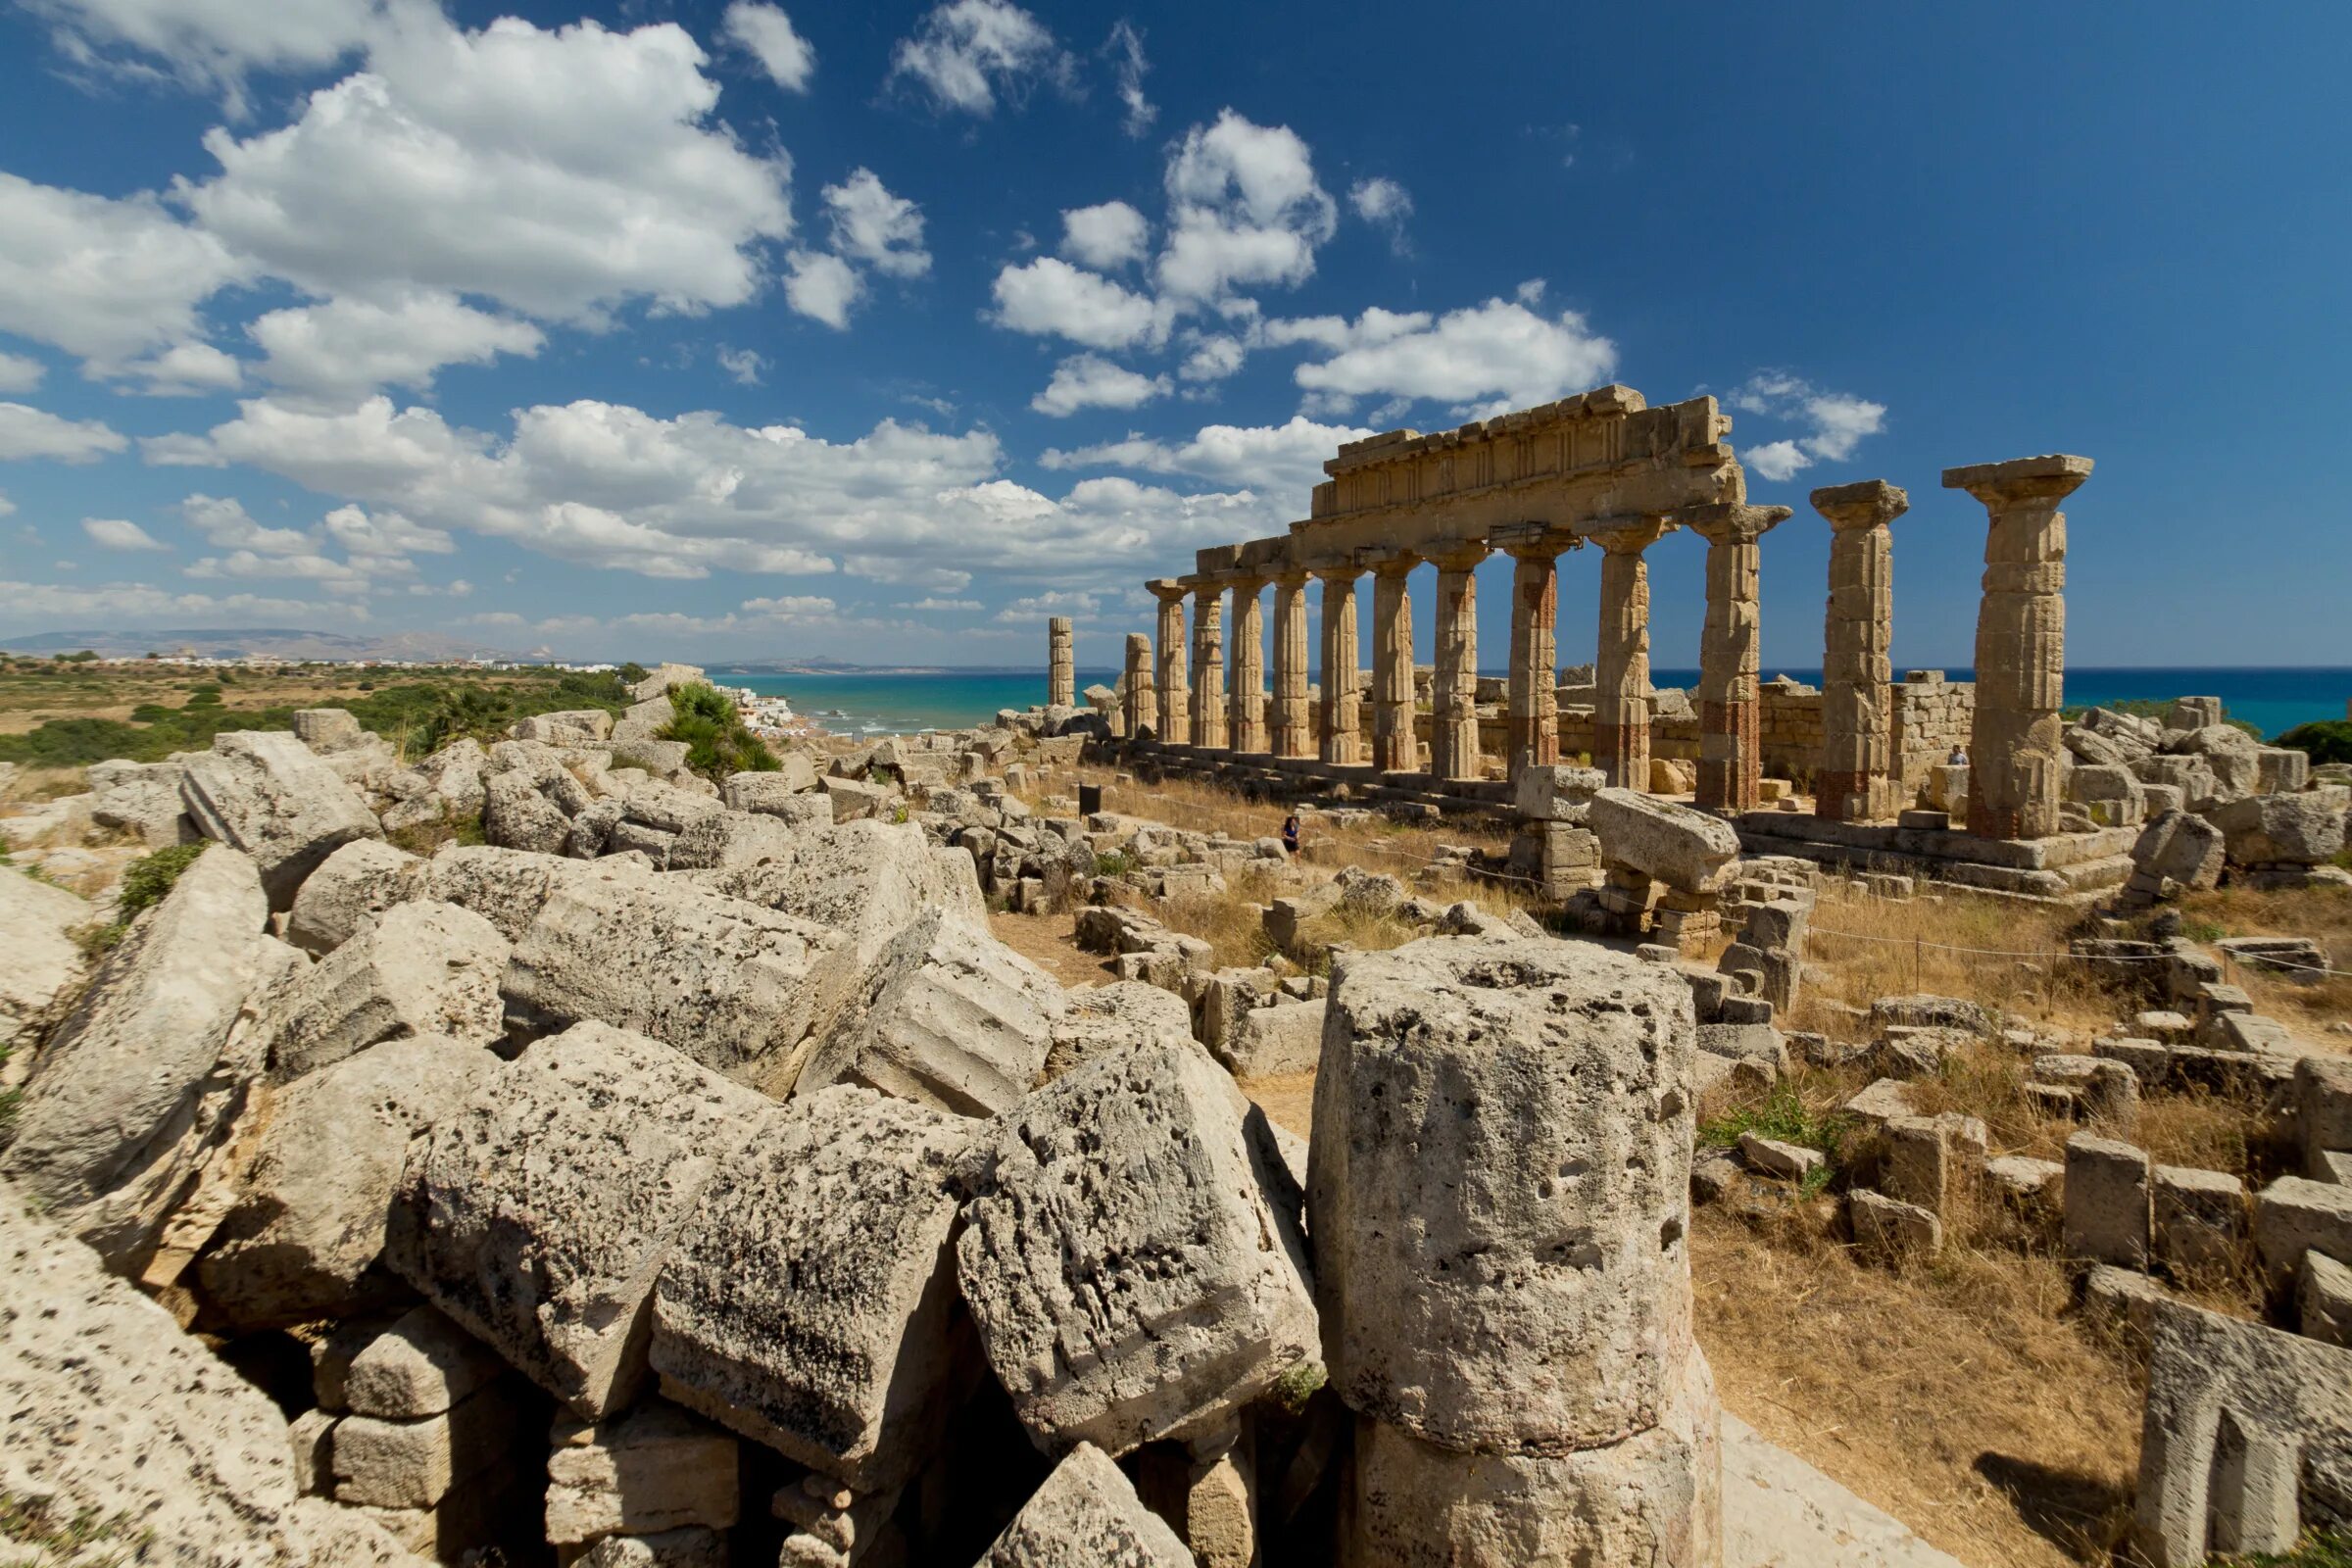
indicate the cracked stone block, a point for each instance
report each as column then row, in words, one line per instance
column 416, row 969
column 649, row 1469
column 357, row 883
column 264, row 792
column 1086, row 1515
column 2108, row 1214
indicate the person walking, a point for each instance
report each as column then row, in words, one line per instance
column 1289, row 834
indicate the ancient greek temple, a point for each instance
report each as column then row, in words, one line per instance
column 1606, row 469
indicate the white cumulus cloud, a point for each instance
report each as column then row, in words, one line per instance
column 1244, row 208
column 1486, row 358
column 1104, row 236
column 350, row 347
column 119, row 533
column 104, row 279
column 967, row 53
column 1835, row 422
column 211, row 43
column 1090, row 381
column 823, row 286
column 766, row 33
column 20, row 373
column 1049, row 298
column 30, row 432
column 871, row 226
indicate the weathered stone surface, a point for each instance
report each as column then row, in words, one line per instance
column 2322, row 1101
column 143, row 798
column 2295, row 1214
column 576, row 726
column 538, row 1213
column 2306, row 830
column 1281, row 1039
column 130, row 1087
column 1108, row 1017
column 1557, row 792
column 112, row 1411
column 413, row 1464
column 422, row 1365
column 267, row 794
column 651, row 1469
column 308, row 1223
column 517, row 815
column 2199, row 1220
column 736, row 987
column 774, row 792
column 870, row 879
column 1174, row 1166
column 2246, row 1438
column 509, row 887
column 1678, row 846
column 2108, row 1213
column 1768, row 1156
column 1780, row 1512
column 357, row 882
column 688, row 1547
column 2323, row 1299
column 446, row 785
column 36, row 919
column 1501, row 1189
column 1086, row 1516
column 723, row 839
column 2181, row 848
column 809, row 1301
column 1653, row 1501
column 1890, row 1231
column 420, row 968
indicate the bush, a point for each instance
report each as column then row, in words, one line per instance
column 2330, row 740
column 718, row 743
column 631, row 673
column 1784, row 1119
column 150, row 877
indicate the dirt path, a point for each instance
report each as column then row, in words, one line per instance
column 1047, row 941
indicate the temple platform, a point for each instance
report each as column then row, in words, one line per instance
column 2064, row 865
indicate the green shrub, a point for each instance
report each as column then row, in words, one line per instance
column 2330, row 740
column 718, row 743
column 152, row 876
column 2322, row 1549
column 631, row 673
column 1784, row 1118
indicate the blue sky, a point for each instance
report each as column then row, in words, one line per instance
column 884, row 332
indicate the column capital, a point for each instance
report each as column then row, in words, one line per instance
column 1733, row 523
column 1331, row 572
column 1532, row 541
column 1384, row 561
column 1629, row 536
column 1291, row 578
column 2021, row 481
column 1459, row 555
column 1868, row 503
column 1168, row 590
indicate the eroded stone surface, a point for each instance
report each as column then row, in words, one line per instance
column 867, row 879
column 1086, row 1516
column 267, row 794
column 36, row 919
column 418, row 968
column 357, row 883
column 1680, row 847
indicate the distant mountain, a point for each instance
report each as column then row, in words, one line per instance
column 841, row 666
column 264, row 642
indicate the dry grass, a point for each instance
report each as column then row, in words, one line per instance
column 2322, row 913
column 33, row 785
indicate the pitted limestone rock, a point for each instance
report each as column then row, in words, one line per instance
column 136, row 1068
column 649, row 1469
column 2306, row 830
column 509, row 887
column 1501, row 1189
column 419, row 969
column 35, row 918
column 308, row 1226
column 142, row 796
column 810, row 1302
column 537, row 1214
column 1086, row 1516
column 1096, row 1020
column 267, row 794
column 357, row 882
column 948, row 1018
column 735, row 986
column 1672, row 844
column 1129, row 1251
column 867, row 879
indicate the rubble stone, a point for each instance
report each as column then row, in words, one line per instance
column 35, row 922
column 2108, row 1211
column 1086, row 1516
column 417, row 969
column 1676, row 845
column 357, row 882
column 647, row 1470
column 2295, row 1214
column 264, row 792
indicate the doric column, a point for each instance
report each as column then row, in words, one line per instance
column 1175, row 692
column 1535, row 705
column 1208, row 658
column 1394, row 747
column 1142, row 703
column 1245, row 707
column 1293, row 720
column 1454, row 737
column 2016, row 760
column 1857, row 745
column 1731, row 654
column 1341, row 721
column 1061, row 664
column 1621, row 666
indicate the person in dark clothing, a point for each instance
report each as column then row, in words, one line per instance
column 1289, row 833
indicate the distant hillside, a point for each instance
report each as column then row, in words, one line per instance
column 266, row 642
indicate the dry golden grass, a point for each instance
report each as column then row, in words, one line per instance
column 2322, row 913
column 31, row 785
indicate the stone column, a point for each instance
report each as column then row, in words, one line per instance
column 1535, row 705
column 1396, row 749
column 1061, row 664
column 1454, row 737
column 1341, row 721
column 1245, row 707
column 1208, row 635
column 2016, row 760
column 1857, row 720
column 1293, row 720
column 1175, row 693
column 1621, row 669
column 1731, row 741
column 1142, row 704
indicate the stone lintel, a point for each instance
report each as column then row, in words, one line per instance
column 1215, row 560
column 2051, row 476
column 1732, row 523
column 1865, row 504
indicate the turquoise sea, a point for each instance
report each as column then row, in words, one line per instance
column 847, row 704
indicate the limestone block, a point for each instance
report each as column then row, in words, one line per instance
column 1143, row 1153
column 726, row 839
column 2323, row 1100
column 1500, row 1186
column 537, row 1214
column 142, row 798
column 774, row 792
column 2199, row 1220
column 2181, row 848
column 1769, row 1156
column 422, row 1366
column 1930, row 1012
column 735, row 986
column 2032, row 1186
column 2108, row 1211
column 2245, row 1438
column 1652, row 1501
column 651, row 1469
column 948, row 1018
column 517, row 816
column 124, row 1095
column 263, row 792
column 857, row 801
column 690, row 1547
column 809, row 1303
column 413, row 1464
column 576, row 727
column 306, row 1225
column 1888, row 1230
column 1107, row 1017
column 418, row 968
column 2107, row 1089
column 2295, row 1214
column 868, row 879
column 509, row 887
column 359, row 881
column 1558, row 793
column 2306, row 830
column 1086, row 1516
column 2323, row 1299
column 310, row 1439
column 1282, row 1039
column 35, row 922
column 1677, row 845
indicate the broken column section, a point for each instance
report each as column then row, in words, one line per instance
column 1500, row 1194
column 1061, row 664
